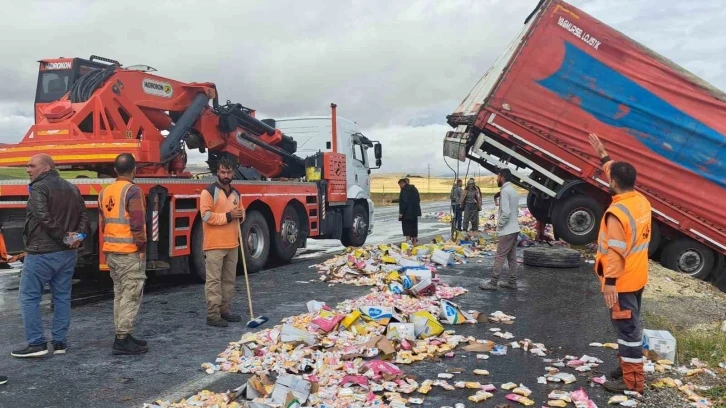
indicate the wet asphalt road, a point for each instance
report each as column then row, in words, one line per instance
column 560, row 308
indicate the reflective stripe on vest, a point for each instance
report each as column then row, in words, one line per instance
column 117, row 235
column 634, row 213
column 206, row 216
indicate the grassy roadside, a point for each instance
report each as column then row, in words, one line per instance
column 388, row 198
column 381, row 199
column 693, row 311
column 18, row 173
column 707, row 344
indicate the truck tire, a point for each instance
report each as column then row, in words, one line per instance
column 539, row 213
column 719, row 267
column 719, row 273
column 690, row 257
column 552, row 257
column 286, row 242
column 196, row 260
column 577, row 219
column 256, row 236
column 655, row 238
column 356, row 236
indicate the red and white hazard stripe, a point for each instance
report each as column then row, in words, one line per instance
column 155, row 226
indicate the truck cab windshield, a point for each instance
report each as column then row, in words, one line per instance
column 52, row 85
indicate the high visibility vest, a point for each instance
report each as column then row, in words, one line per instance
column 634, row 213
column 117, row 234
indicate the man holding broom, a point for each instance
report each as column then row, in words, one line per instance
column 222, row 212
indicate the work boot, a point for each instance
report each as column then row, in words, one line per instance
column 3, row 379
column 616, row 386
column 216, row 322
column 490, row 285
column 127, row 346
column 509, row 285
column 617, row 373
column 231, row 317
column 137, row 341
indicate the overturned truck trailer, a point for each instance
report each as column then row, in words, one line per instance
column 567, row 75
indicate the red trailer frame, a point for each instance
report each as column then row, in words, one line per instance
column 567, row 75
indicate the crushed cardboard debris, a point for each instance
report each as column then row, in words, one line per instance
column 351, row 354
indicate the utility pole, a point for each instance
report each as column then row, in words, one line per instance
column 429, row 166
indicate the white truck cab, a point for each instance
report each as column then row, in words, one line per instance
column 314, row 134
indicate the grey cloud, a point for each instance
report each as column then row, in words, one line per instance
column 396, row 68
column 381, row 61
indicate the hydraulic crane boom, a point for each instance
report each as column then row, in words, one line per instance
column 87, row 112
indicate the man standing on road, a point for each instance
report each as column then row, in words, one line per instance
column 621, row 264
column 409, row 209
column 123, row 222
column 456, row 194
column 222, row 212
column 416, row 195
column 55, row 210
column 471, row 202
column 508, row 231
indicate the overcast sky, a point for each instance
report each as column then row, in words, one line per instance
column 395, row 67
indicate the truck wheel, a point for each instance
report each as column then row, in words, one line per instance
column 356, row 236
column 551, row 257
column 539, row 213
column 577, row 219
column 690, row 257
column 719, row 268
column 196, row 260
column 719, row 273
column 286, row 242
column 655, row 238
column 256, row 236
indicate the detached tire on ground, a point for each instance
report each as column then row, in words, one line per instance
column 576, row 219
column 356, row 236
column 286, row 242
column 552, row 257
column 690, row 257
column 256, row 237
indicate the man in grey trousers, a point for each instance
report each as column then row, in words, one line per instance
column 508, row 231
column 471, row 203
column 456, row 193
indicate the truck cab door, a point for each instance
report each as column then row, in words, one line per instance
column 359, row 165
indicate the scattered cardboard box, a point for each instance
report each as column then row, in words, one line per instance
column 660, row 341
column 290, row 385
column 401, row 331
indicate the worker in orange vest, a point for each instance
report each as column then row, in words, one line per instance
column 621, row 265
column 222, row 212
column 123, row 222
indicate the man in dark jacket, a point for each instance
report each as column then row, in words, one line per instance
column 55, row 210
column 471, row 203
column 409, row 209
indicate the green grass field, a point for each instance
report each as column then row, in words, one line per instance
column 18, row 173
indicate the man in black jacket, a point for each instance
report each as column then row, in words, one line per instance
column 409, row 209
column 55, row 210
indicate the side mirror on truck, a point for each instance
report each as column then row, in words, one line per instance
column 378, row 151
